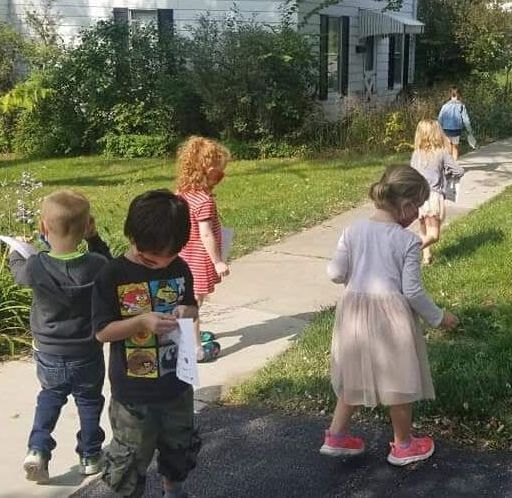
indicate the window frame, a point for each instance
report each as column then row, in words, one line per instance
column 342, row 56
column 395, row 79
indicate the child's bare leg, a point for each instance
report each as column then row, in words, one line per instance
column 433, row 232
column 423, row 235
column 197, row 328
column 342, row 416
column 455, row 152
column 401, row 418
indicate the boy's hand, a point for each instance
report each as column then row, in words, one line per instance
column 449, row 321
column 185, row 311
column 159, row 323
column 90, row 230
column 222, row 269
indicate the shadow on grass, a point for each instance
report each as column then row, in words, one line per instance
column 103, row 180
column 469, row 244
column 7, row 161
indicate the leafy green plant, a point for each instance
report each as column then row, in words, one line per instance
column 269, row 74
column 133, row 145
column 14, row 312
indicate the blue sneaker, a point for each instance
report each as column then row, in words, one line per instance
column 211, row 350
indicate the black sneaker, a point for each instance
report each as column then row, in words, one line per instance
column 91, row 465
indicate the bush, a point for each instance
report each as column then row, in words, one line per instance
column 48, row 131
column 255, row 82
column 7, row 126
column 133, row 145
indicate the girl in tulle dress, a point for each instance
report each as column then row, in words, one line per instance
column 378, row 353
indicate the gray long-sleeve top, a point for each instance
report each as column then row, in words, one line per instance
column 436, row 167
column 381, row 258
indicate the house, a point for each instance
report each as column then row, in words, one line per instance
column 363, row 50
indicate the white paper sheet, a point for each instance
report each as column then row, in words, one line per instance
column 186, row 367
column 25, row 249
column 227, row 242
column 452, row 189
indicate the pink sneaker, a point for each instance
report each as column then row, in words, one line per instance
column 420, row 448
column 336, row 445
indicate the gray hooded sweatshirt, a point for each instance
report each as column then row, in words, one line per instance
column 60, row 317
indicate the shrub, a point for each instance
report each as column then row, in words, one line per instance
column 7, row 125
column 255, row 82
column 133, row 145
column 48, row 131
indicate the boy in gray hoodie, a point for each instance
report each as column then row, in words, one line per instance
column 68, row 357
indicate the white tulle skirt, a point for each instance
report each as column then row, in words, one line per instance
column 379, row 354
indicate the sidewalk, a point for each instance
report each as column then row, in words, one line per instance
column 268, row 299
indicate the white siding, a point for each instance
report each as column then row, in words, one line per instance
column 355, row 78
column 76, row 14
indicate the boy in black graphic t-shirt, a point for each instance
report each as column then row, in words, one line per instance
column 136, row 300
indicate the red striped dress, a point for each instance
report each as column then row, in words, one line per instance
column 202, row 208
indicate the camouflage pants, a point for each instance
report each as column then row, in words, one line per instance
column 140, row 429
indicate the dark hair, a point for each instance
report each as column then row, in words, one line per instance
column 399, row 185
column 158, row 221
column 455, row 92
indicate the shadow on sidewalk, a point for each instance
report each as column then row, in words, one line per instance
column 70, row 478
column 262, row 333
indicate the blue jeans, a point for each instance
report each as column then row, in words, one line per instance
column 61, row 376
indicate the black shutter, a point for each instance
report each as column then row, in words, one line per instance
column 121, row 15
column 345, row 54
column 391, row 62
column 165, row 21
column 324, row 32
column 407, row 47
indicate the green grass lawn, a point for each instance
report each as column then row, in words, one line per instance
column 472, row 367
column 262, row 200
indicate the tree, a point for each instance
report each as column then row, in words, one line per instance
column 439, row 54
column 486, row 36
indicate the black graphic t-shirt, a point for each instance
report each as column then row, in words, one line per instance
column 142, row 369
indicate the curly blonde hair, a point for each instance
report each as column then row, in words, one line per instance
column 196, row 158
column 430, row 136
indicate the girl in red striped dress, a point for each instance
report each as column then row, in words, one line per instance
column 201, row 164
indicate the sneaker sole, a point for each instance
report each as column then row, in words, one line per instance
column 400, row 462
column 90, row 470
column 34, row 472
column 338, row 452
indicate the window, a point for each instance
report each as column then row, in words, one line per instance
column 333, row 55
column 396, row 60
column 163, row 18
column 369, row 54
column 143, row 17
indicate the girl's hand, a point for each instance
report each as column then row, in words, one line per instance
column 158, row 323
column 449, row 321
column 222, row 269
